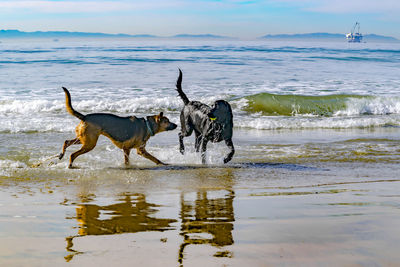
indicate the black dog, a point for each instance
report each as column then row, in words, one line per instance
column 209, row 124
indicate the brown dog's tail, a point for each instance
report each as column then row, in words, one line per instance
column 70, row 109
column 179, row 89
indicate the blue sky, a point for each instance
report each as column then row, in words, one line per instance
column 236, row 18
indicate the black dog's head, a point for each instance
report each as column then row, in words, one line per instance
column 221, row 112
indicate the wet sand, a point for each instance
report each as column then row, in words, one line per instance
column 263, row 209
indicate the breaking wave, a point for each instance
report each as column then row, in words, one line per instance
column 258, row 111
column 265, row 104
column 327, row 105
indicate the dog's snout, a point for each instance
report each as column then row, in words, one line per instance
column 172, row 126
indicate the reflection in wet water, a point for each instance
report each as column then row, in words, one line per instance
column 206, row 219
column 208, row 215
column 130, row 215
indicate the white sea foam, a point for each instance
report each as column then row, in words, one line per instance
column 50, row 116
column 14, row 107
column 304, row 122
column 36, row 123
column 11, row 164
column 8, row 166
column 371, row 105
column 131, row 105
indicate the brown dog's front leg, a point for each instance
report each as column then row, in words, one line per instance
column 126, row 155
column 142, row 151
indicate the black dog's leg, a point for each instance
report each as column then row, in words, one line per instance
column 181, row 145
column 204, row 142
column 186, row 131
column 197, row 141
column 229, row 143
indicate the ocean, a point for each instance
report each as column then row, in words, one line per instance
column 316, row 132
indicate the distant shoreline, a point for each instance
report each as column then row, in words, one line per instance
column 16, row 34
column 66, row 34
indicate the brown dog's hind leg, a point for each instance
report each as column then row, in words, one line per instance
column 84, row 149
column 68, row 143
column 88, row 137
column 142, row 151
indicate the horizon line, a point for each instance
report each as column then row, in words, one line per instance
column 190, row 35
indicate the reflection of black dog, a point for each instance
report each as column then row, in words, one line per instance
column 209, row 124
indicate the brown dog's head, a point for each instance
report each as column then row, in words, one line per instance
column 163, row 123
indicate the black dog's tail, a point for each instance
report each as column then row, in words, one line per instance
column 179, row 89
column 70, row 109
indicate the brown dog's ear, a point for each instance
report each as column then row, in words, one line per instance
column 158, row 117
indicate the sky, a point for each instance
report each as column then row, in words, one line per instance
column 234, row 18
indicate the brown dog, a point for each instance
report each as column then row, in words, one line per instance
column 125, row 132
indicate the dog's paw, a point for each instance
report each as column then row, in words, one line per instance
column 72, row 167
column 226, row 160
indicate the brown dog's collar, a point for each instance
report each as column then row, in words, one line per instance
column 149, row 130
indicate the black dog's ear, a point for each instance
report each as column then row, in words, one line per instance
column 161, row 114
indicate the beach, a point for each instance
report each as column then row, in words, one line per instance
column 263, row 212
column 314, row 180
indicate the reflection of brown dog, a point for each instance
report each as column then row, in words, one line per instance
column 125, row 132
